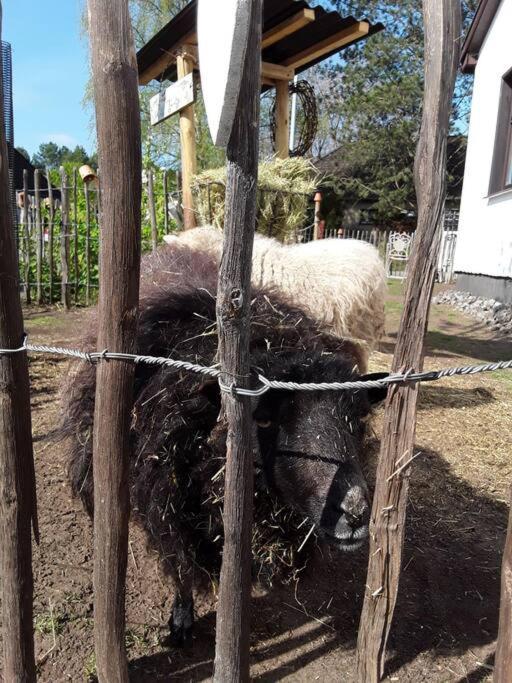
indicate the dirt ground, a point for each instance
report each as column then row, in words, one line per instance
column 447, row 614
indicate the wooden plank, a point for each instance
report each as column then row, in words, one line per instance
column 152, row 211
column 172, row 100
column 39, row 238
column 26, row 232
column 233, row 316
column 51, row 216
column 442, row 19
column 17, row 481
column 287, row 27
column 64, row 240
column 115, row 85
column 282, row 119
column 165, row 185
column 188, row 146
column 276, row 72
column 324, row 47
column 503, row 661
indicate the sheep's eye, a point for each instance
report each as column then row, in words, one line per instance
column 264, row 424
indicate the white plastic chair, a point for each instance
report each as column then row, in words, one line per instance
column 398, row 250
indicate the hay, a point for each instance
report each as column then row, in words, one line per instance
column 285, row 189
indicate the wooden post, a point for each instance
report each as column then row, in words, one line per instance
column 75, row 233
column 503, row 661
column 39, row 238
column 185, row 63
column 51, row 215
column 442, row 20
column 115, row 81
column 318, row 214
column 233, row 315
column 152, row 211
column 87, row 244
column 18, row 509
column 64, row 239
column 282, row 119
column 26, row 230
column 165, row 186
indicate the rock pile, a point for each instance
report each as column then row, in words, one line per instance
column 495, row 314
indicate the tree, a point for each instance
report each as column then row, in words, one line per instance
column 370, row 103
column 50, row 155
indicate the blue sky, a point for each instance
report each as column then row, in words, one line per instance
column 50, row 70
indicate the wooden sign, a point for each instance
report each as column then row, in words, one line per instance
column 223, row 31
column 172, row 100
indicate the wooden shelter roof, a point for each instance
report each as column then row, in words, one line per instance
column 295, row 36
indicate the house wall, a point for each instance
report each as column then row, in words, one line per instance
column 484, row 247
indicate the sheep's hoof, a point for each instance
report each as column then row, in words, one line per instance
column 181, row 623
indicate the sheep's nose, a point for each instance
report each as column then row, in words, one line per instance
column 356, row 507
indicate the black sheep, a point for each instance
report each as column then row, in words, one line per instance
column 306, row 444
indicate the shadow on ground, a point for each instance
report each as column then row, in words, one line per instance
column 448, row 600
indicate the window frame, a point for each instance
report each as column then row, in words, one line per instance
column 502, row 155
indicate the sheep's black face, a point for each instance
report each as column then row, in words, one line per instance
column 310, row 444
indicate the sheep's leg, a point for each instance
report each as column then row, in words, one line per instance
column 181, row 621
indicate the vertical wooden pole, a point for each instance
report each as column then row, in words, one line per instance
column 503, row 660
column 50, row 234
column 87, row 245
column 233, row 315
column 318, row 214
column 442, row 20
column 39, row 237
column 64, row 239
column 26, row 229
column 115, row 81
column 165, row 186
column 282, row 119
column 17, row 480
column 75, row 233
column 152, row 211
column 185, row 65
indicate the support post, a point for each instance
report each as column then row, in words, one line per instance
column 39, row 237
column 64, row 239
column 503, row 660
column 152, row 211
column 442, row 21
column 18, row 508
column 185, row 64
column 233, row 315
column 282, row 119
column 26, row 231
column 51, row 217
column 318, row 215
column 115, row 83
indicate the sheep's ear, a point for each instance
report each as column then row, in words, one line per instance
column 376, row 395
column 211, row 391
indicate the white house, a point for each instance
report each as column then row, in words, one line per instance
column 483, row 258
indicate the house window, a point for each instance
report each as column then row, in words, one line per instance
column 501, row 174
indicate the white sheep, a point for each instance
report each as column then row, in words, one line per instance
column 339, row 282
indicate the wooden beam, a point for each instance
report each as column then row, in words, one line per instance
column 276, row 72
column 186, row 62
column 287, row 27
column 282, row 119
column 164, row 62
column 324, row 47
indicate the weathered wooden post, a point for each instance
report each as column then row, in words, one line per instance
column 87, row 244
column 442, row 20
column 75, row 234
column 152, row 210
column 115, row 82
column 232, row 97
column 64, row 239
column 39, row 237
column 26, row 231
column 185, row 65
column 51, row 216
column 503, row 659
column 18, row 510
